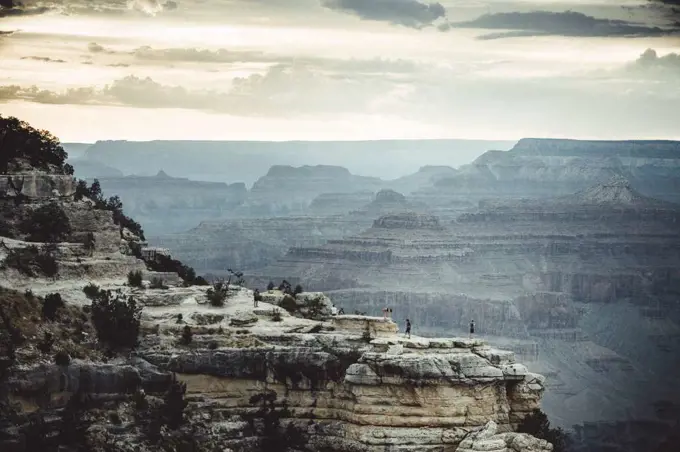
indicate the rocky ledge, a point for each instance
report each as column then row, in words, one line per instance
column 347, row 382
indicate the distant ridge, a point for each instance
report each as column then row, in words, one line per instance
column 665, row 149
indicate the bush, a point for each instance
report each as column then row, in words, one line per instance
column 538, row 425
column 135, row 279
column 91, row 291
column 212, row 345
column 179, row 318
column 157, row 283
column 289, row 304
column 116, row 320
column 174, row 405
column 61, row 358
column 47, row 223
column 51, row 305
column 217, row 294
column 285, row 287
column 32, row 261
column 46, row 343
column 187, row 336
column 270, row 286
column 276, row 315
column 298, row 290
column 166, row 264
column 82, row 190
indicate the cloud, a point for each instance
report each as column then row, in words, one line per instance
column 545, row 23
column 76, row 7
column 44, row 59
column 282, row 90
column 650, row 66
column 147, row 54
column 409, row 13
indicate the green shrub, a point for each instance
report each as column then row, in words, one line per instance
column 270, row 286
column 116, row 320
column 47, row 223
column 51, row 305
column 217, row 294
column 298, row 290
column 135, row 279
column 212, row 345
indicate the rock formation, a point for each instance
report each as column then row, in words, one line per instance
column 561, row 281
column 246, row 375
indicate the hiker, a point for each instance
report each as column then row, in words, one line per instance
column 472, row 328
column 408, row 328
column 385, row 311
column 341, row 311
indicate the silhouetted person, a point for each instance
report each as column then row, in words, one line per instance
column 408, row 328
column 472, row 328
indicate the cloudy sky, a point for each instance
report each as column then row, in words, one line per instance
column 342, row 69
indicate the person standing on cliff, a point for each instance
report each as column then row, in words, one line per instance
column 408, row 328
column 472, row 328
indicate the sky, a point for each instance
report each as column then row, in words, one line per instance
column 91, row 70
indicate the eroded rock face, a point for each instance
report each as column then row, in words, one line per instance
column 37, row 186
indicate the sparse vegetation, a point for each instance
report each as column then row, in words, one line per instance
column 239, row 281
column 180, row 318
column 166, row 264
column 51, row 304
column 285, row 287
column 157, row 283
column 116, row 320
column 90, row 243
column 267, row 419
column 212, row 345
column 270, row 286
column 276, row 315
column 47, row 223
column 298, row 290
column 46, row 343
column 91, row 291
column 538, row 425
column 134, row 279
column 217, row 294
column 174, row 405
column 32, row 261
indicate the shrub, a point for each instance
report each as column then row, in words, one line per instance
column 116, row 320
column 135, row 279
column 51, row 305
column 32, row 261
column 46, row 343
column 187, row 336
column 157, row 283
column 174, row 405
column 276, row 315
column 28, row 293
column 47, row 223
column 267, row 419
column 285, row 287
column 217, row 294
column 6, row 229
column 298, row 290
column 82, row 191
column 270, row 286
column 289, row 304
column 61, row 358
column 212, row 345
column 91, row 291
column 179, row 318
column 538, row 425
column 164, row 263
column 239, row 278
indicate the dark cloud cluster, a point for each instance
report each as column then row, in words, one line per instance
column 568, row 23
column 409, row 13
